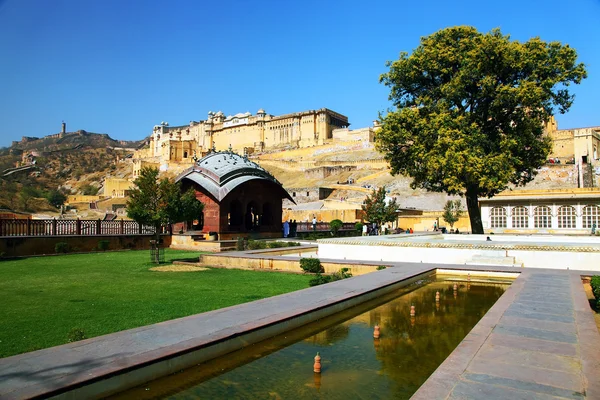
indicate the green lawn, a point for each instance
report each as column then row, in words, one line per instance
column 43, row 298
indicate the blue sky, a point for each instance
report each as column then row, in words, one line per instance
column 122, row 66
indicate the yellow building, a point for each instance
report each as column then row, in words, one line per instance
column 172, row 146
column 117, row 187
column 578, row 145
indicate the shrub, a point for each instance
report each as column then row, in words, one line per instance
column 61, row 247
column 311, row 265
column 276, row 245
column 595, row 284
column 341, row 274
column 75, row 335
column 319, row 280
column 336, row 276
column 293, row 244
column 256, row 245
column 103, row 245
column 381, row 267
column 335, row 226
column 358, row 227
column 240, row 245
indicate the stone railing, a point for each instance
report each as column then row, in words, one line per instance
column 73, row 227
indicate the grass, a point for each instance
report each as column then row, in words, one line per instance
column 45, row 299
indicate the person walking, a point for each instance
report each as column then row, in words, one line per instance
column 286, row 229
column 314, row 223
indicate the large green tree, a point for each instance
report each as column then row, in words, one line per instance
column 470, row 110
column 377, row 209
column 157, row 202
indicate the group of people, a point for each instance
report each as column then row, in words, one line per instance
column 290, row 228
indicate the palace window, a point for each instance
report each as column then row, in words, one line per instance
column 566, row 217
column 542, row 217
column 520, row 219
column 591, row 216
column 498, row 217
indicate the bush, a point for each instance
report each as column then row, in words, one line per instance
column 61, row 247
column 256, row 245
column 311, row 265
column 240, row 245
column 595, row 284
column 75, row 335
column 293, row 244
column 341, row 274
column 319, row 280
column 335, row 226
column 276, row 245
column 358, row 227
column 336, row 276
column 103, row 245
column 381, row 267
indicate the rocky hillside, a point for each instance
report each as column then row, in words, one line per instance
column 35, row 169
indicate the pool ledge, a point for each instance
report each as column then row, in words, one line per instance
column 538, row 340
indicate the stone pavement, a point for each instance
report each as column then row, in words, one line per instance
column 539, row 341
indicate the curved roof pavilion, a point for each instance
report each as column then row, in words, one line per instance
column 219, row 173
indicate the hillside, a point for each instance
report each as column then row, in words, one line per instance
column 67, row 164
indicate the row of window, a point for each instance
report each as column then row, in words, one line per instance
column 542, row 217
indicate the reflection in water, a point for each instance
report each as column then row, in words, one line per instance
column 354, row 364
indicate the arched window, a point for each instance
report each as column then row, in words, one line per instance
column 542, row 217
column 520, row 219
column 566, row 217
column 498, row 217
column 590, row 216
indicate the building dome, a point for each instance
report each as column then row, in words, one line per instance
column 260, row 111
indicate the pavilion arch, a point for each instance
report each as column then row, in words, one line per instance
column 542, row 217
column 252, row 217
column 567, row 217
column 520, row 217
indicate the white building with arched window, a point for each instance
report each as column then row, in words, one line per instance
column 562, row 211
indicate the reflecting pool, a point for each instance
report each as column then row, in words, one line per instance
column 354, row 364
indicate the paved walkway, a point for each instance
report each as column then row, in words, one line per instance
column 539, row 341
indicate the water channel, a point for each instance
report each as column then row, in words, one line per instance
column 354, row 364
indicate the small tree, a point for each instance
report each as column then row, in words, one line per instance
column 56, row 198
column 160, row 202
column 377, row 209
column 335, row 226
column 452, row 211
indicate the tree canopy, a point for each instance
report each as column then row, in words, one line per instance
column 452, row 211
column 470, row 110
column 377, row 209
column 160, row 202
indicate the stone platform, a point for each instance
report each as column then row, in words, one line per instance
column 538, row 341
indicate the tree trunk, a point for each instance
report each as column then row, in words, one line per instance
column 474, row 212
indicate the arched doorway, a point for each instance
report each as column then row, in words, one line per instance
column 252, row 218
